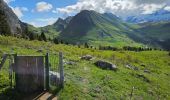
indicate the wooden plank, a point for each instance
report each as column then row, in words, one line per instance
column 61, row 69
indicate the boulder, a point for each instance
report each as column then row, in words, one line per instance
column 87, row 57
column 106, row 65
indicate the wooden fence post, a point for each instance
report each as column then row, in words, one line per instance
column 61, row 69
column 47, row 72
column 15, row 70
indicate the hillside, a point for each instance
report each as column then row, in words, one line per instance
column 96, row 28
column 157, row 34
column 89, row 27
column 9, row 22
column 55, row 29
column 84, row 80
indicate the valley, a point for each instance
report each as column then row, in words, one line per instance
column 105, row 57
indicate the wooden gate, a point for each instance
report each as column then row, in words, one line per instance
column 30, row 73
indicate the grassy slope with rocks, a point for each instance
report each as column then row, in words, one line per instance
column 86, row 81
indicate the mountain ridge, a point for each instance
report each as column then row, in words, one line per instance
column 89, row 27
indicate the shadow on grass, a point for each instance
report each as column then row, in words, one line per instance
column 12, row 94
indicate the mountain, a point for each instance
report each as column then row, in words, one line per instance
column 158, row 16
column 96, row 28
column 54, row 29
column 156, row 34
column 91, row 27
column 9, row 22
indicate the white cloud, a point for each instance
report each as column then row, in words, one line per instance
column 151, row 8
column 8, row 1
column 167, row 8
column 48, row 21
column 19, row 11
column 33, row 23
column 43, row 6
column 119, row 7
column 41, row 22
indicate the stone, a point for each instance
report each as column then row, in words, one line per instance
column 70, row 63
column 40, row 50
column 147, row 71
column 87, row 57
column 143, row 77
column 105, row 65
column 132, row 67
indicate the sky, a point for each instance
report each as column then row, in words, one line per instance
column 45, row 12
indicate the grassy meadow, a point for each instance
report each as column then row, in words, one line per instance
column 85, row 81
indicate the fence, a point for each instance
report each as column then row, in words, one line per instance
column 32, row 73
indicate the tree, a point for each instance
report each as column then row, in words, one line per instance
column 86, row 45
column 56, row 41
column 31, row 36
column 61, row 42
column 43, row 37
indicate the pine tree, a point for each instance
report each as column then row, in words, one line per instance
column 86, row 45
column 43, row 37
column 31, row 36
column 56, row 41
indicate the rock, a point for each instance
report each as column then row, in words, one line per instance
column 105, row 65
column 87, row 57
column 143, row 77
column 70, row 63
column 147, row 71
column 142, row 65
column 40, row 50
column 54, row 78
column 132, row 67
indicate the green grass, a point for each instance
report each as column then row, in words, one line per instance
column 86, row 81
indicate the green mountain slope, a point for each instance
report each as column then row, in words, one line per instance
column 96, row 28
column 54, row 29
column 157, row 34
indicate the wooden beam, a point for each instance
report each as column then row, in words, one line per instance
column 61, row 69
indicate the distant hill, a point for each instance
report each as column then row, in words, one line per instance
column 156, row 34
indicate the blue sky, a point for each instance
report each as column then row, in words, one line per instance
column 39, row 18
column 45, row 12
